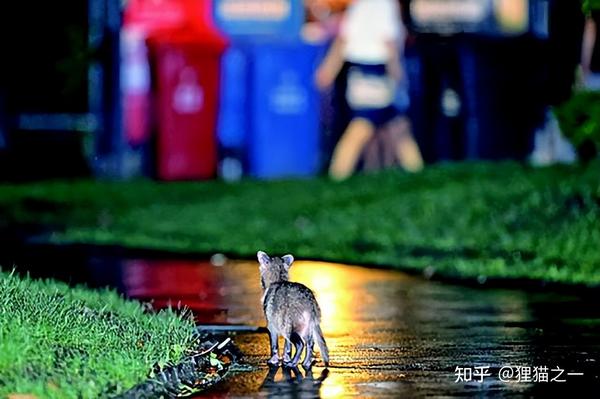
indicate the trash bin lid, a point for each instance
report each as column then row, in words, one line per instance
column 251, row 18
column 175, row 21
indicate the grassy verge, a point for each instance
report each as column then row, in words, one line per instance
column 58, row 342
column 471, row 219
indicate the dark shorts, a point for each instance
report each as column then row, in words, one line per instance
column 379, row 115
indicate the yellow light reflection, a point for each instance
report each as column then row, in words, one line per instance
column 331, row 389
column 333, row 287
column 340, row 291
column 335, row 386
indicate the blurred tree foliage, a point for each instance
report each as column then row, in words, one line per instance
column 589, row 5
column 579, row 120
column 579, row 116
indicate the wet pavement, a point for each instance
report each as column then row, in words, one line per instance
column 389, row 334
column 393, row 335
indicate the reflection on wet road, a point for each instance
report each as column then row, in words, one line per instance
column 390, row 334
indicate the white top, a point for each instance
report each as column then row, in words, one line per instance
column 367, row 26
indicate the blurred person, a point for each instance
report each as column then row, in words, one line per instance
column 394, row 143
column 590, row 52
column 368, row 45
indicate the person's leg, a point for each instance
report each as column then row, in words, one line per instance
column 348, row 150
column 372, row 154
column 388, row 145
column 405, row 147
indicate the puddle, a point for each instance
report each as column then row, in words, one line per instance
column 389, row 334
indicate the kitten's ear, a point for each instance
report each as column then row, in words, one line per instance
column 263, row 258
column 288, row 260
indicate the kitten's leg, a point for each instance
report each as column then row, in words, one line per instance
column 308, row 358
column 299, row 344
column 287, row 351
column 273, row 337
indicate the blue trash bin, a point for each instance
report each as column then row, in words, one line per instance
column 269, row 117
column 234, row 115
column 284, row 110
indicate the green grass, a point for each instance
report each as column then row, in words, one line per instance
column 467, row 220
column 60, row 342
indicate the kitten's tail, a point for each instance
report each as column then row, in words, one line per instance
column 318, row 337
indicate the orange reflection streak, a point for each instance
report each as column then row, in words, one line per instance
column 341, row 291
column 333, row 288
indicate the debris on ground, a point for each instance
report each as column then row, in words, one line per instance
column 206, row 365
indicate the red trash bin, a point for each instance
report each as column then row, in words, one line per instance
column 187, row 71
column 184, row 49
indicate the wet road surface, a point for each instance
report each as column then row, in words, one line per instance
column 389, row 334
column 394, row 335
